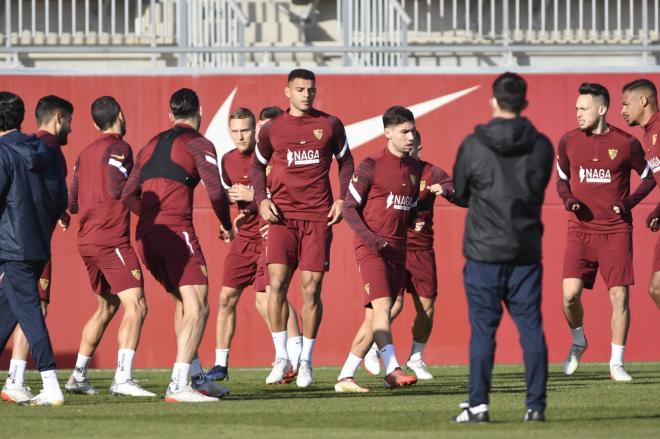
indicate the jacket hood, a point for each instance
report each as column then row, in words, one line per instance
column 507, row 137
column 27, row 147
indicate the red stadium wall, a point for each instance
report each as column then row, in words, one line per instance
column 353, row 98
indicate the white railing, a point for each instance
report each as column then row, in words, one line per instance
column 88, row 22
column 535, row 21
column 215, row 23
column 374, row 23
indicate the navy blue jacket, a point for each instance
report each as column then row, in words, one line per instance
column 32, row 197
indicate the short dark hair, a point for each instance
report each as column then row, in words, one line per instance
column 510, row 90
column 105, row 111
column 270, row 112
column 48, row 106
column 397, row 115
column 595, row 90
column 641, row 83
column 242, row 113
column 12, row 111
column 302, row 74
column 184, row 103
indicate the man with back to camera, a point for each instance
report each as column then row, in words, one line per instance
column 500, row 175
column 104, row 244
column 32, row 199
column 299, row 144
column 53, row 115
column 160, row 191
column 640, row 107
column 594, row 163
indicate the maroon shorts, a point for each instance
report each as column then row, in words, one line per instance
column 112, row 269
column 300, row 243
column 656, row 256
column 383, row 274
column 421, row 274
column 174, row 258
column 44, row 282
column 612, row 253
column 241, row 264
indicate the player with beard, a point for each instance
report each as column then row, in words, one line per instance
column 298, row 145
column 160, row 191
column 104, row 244
column 594, row 163
column 640, row 107
column 54, row 116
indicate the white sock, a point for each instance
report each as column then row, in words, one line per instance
column 350, row 366
column 389, row 358
column 124, row 365
column 617, row 355
column 16, row 377
column 196, row 371
column 578, row 336
column 80, row 372
column 307, row 348
column 221, row 356
column 294, row 349
column 180, row 374
column 417, row 350
column 49, row 380
column 279, row 340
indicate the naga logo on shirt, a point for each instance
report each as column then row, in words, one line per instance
column 595, row 175
column 654, row 164
column 303, row 157
column 399, row 202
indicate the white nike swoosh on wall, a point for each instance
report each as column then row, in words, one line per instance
column 358, row 133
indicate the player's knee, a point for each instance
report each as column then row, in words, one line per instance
column 277, row 286
column 571, row 296
column 228, row 302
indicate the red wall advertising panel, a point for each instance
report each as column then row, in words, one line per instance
column 447, row 108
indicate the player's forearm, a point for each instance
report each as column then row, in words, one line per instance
column 356, row 223
column 220, row 205
column 565, row 193
column 130, row 196
column 644, row 188
column 259, row 182
column 346, row 170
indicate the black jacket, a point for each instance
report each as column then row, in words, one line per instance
column 501, row 173
column 32, row 197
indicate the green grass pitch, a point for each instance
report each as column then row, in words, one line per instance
column 583, row 406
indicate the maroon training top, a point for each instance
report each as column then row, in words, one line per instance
column 594, row 169
column 652, row 146
column 236, row 167
column 381, row 200
column 95, row 194
column 300, row 151
column 164, row 202
column 420, row 233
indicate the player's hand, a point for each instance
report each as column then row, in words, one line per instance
column 241, row 192
column 653, row 220
column 620, row 208
column 226, row 235
column 268, row 211
column 437, row 189
column 64, row 221
column 263, row 230
column 241, row 218
column 334, row 216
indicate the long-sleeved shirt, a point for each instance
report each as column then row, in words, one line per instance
column 420, row 234
column 236, row 168
column 381, row 200
column 162, row 202
column 594, row 170
column 652, row 150
column 300, row 151
column 99, row 177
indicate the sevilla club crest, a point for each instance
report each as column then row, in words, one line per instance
column 136, row 274
column 204, row 270
column 44, row 283
column 422, row 185
column 318, row 134
column 613, row 153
